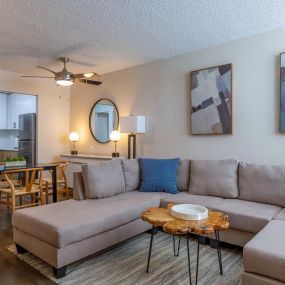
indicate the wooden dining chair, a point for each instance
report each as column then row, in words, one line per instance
column 62, row 187
column 21, row 189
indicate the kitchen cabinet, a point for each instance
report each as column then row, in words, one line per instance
column 18, row 104
column 3, row 111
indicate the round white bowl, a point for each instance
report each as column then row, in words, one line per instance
column 189, row 212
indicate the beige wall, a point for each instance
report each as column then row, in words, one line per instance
column 53, row 112
column 160, row 91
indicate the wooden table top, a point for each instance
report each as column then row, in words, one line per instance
column 45, row 166
column 161, row 217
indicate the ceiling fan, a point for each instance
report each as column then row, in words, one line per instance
column 66, row 78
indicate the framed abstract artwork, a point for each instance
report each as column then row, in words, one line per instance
column 282, row 93
column 211, row 100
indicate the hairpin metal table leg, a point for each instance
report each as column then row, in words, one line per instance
column 197, row 264
column 188, row 255
column 176, row 253
column 217, row 235
column 153, row 231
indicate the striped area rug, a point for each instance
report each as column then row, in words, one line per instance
column 125, row 264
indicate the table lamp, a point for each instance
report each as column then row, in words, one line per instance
column 74, row 137
column 132, row 125
column 115, row 136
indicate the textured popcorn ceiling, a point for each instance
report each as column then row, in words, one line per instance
column 107, row 35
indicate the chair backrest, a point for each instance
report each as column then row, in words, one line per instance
column 61, row 166
column 30, row 175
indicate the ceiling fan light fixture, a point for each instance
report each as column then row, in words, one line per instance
column 64, row 82
column 66, row 78
column 88, row 75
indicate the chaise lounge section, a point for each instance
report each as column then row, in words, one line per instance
column 107, row 206
column 264, row 256
column 72, row 230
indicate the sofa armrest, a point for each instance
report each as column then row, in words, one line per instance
column 78, row 186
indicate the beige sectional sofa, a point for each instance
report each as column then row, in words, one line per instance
column 107, row 206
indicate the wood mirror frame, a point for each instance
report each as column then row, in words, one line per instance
column 105, row 115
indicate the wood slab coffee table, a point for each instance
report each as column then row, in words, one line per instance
column 161, row 218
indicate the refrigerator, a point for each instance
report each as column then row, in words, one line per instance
column 27, row 137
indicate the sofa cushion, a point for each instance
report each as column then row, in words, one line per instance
column 262, row 183
column 185, row 197
column 265, row 253
column 131, row 170
column 183, row 175
column 214, row 178
column 103, row 180
column 159, row 175
column 78, row 186
column 70, row 221
column 256, row 279
column 245, row 215
column 280, row 215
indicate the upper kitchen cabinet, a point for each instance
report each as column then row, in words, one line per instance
column 18, row 104
column 3, row 111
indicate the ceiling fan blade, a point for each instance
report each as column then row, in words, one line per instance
column 90, row 81
column 78, row 62
column 47, row 69
column 31, row 76
column 85, row 75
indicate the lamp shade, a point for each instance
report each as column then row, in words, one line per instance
column 115, row 136
column 74, row 136
column 132, row 124
column 63, row 82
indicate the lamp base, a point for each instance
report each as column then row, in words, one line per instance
column 74, row 152
column 115, row 154
column 131, row 146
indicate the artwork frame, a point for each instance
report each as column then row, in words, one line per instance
column 282, row 94
column 211, row 100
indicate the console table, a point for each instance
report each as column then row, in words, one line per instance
column 76, row 162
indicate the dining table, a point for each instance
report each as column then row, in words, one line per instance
column 45, row 166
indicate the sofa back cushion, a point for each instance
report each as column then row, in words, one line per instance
column 183, row 175
column 262, row 183
column 103, row 180
column 159, row 175
column 131, row 170
column 214, row 178
column 78, row 186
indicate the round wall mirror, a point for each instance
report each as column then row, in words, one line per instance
column 103, row 119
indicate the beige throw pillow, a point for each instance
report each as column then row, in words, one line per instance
column 103, row 180
column 262, row 183
column 131, row 170
column 183, row 175
column 214, row 178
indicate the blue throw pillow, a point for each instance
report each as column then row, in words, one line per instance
column 159, row 175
